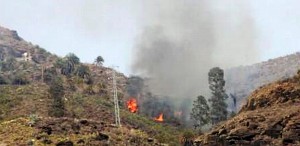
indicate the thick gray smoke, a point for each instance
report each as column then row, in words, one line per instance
column 183, row 39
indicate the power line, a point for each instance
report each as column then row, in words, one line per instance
column 116, row 100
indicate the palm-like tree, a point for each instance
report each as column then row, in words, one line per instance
column 69, row 64
column 99, row 61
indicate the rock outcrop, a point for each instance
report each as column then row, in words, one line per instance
column 270, row 117
column 242, row 81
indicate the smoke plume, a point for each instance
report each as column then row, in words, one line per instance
column 183, row 39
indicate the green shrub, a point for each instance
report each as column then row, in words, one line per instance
column 49, row 74
column 33, row 119
column 57, row 93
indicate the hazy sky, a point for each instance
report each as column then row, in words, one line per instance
column 109, row 28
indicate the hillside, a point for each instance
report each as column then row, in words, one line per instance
column 12, row 45
column 24, row 117
column 241, row 81
column 270, row 117
column 27, row 72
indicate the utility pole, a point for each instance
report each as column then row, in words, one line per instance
column 116, row 100
column 43, row 68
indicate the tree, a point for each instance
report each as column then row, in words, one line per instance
column 72, row 58
column 68, row 64
column 71, row 61
column 64, row 66
column 200, row 112
column 218, row 105
column 59, row 63
column 99, row 61
column 56, row 92
column 83, row 71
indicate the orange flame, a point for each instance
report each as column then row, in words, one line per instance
column 132, row 105
column 160, row 118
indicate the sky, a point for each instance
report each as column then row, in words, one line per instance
column 110, row 28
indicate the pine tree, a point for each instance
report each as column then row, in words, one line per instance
column 218, row 105
column 200, row 112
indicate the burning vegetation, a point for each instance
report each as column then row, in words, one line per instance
column 132, row 105
column 156, row 107
column 160, row 118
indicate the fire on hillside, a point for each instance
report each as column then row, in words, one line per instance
column 160, row 118
column 132, row 105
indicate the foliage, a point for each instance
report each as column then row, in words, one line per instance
column 137, row 137
column 188, row 134
column 68, row 64
column 200, row 112
column 102, row 89
column 49, row 74
column 3, row 80
column 56, row 92
column 7, row 102
column 9, row 64
column 76, row 108
column 163, row 133
column 232, row 114
column 153, row 105
column 218, row 104
column 83, row 71
column 89, row 80
column 71, row 84
column 59, row 63
column 187, row 138
column 20, row 79
column 33, row 119
column 67, row 68
column 99, row 61
column 73, row 59
column 89, row 90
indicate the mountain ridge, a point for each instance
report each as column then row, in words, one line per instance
column 242, row 80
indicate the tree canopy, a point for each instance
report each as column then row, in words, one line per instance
column 200, row 112
column 218, row 105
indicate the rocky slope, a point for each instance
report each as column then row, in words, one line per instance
column 12, row 45
column 241, row 81
column 270, row 117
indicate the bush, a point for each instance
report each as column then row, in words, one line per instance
column 89, row 90
column 83, row 71
column 49, row 74
column 188, row 137
column 33, row 119
column 57, row 93
column 20, row 79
